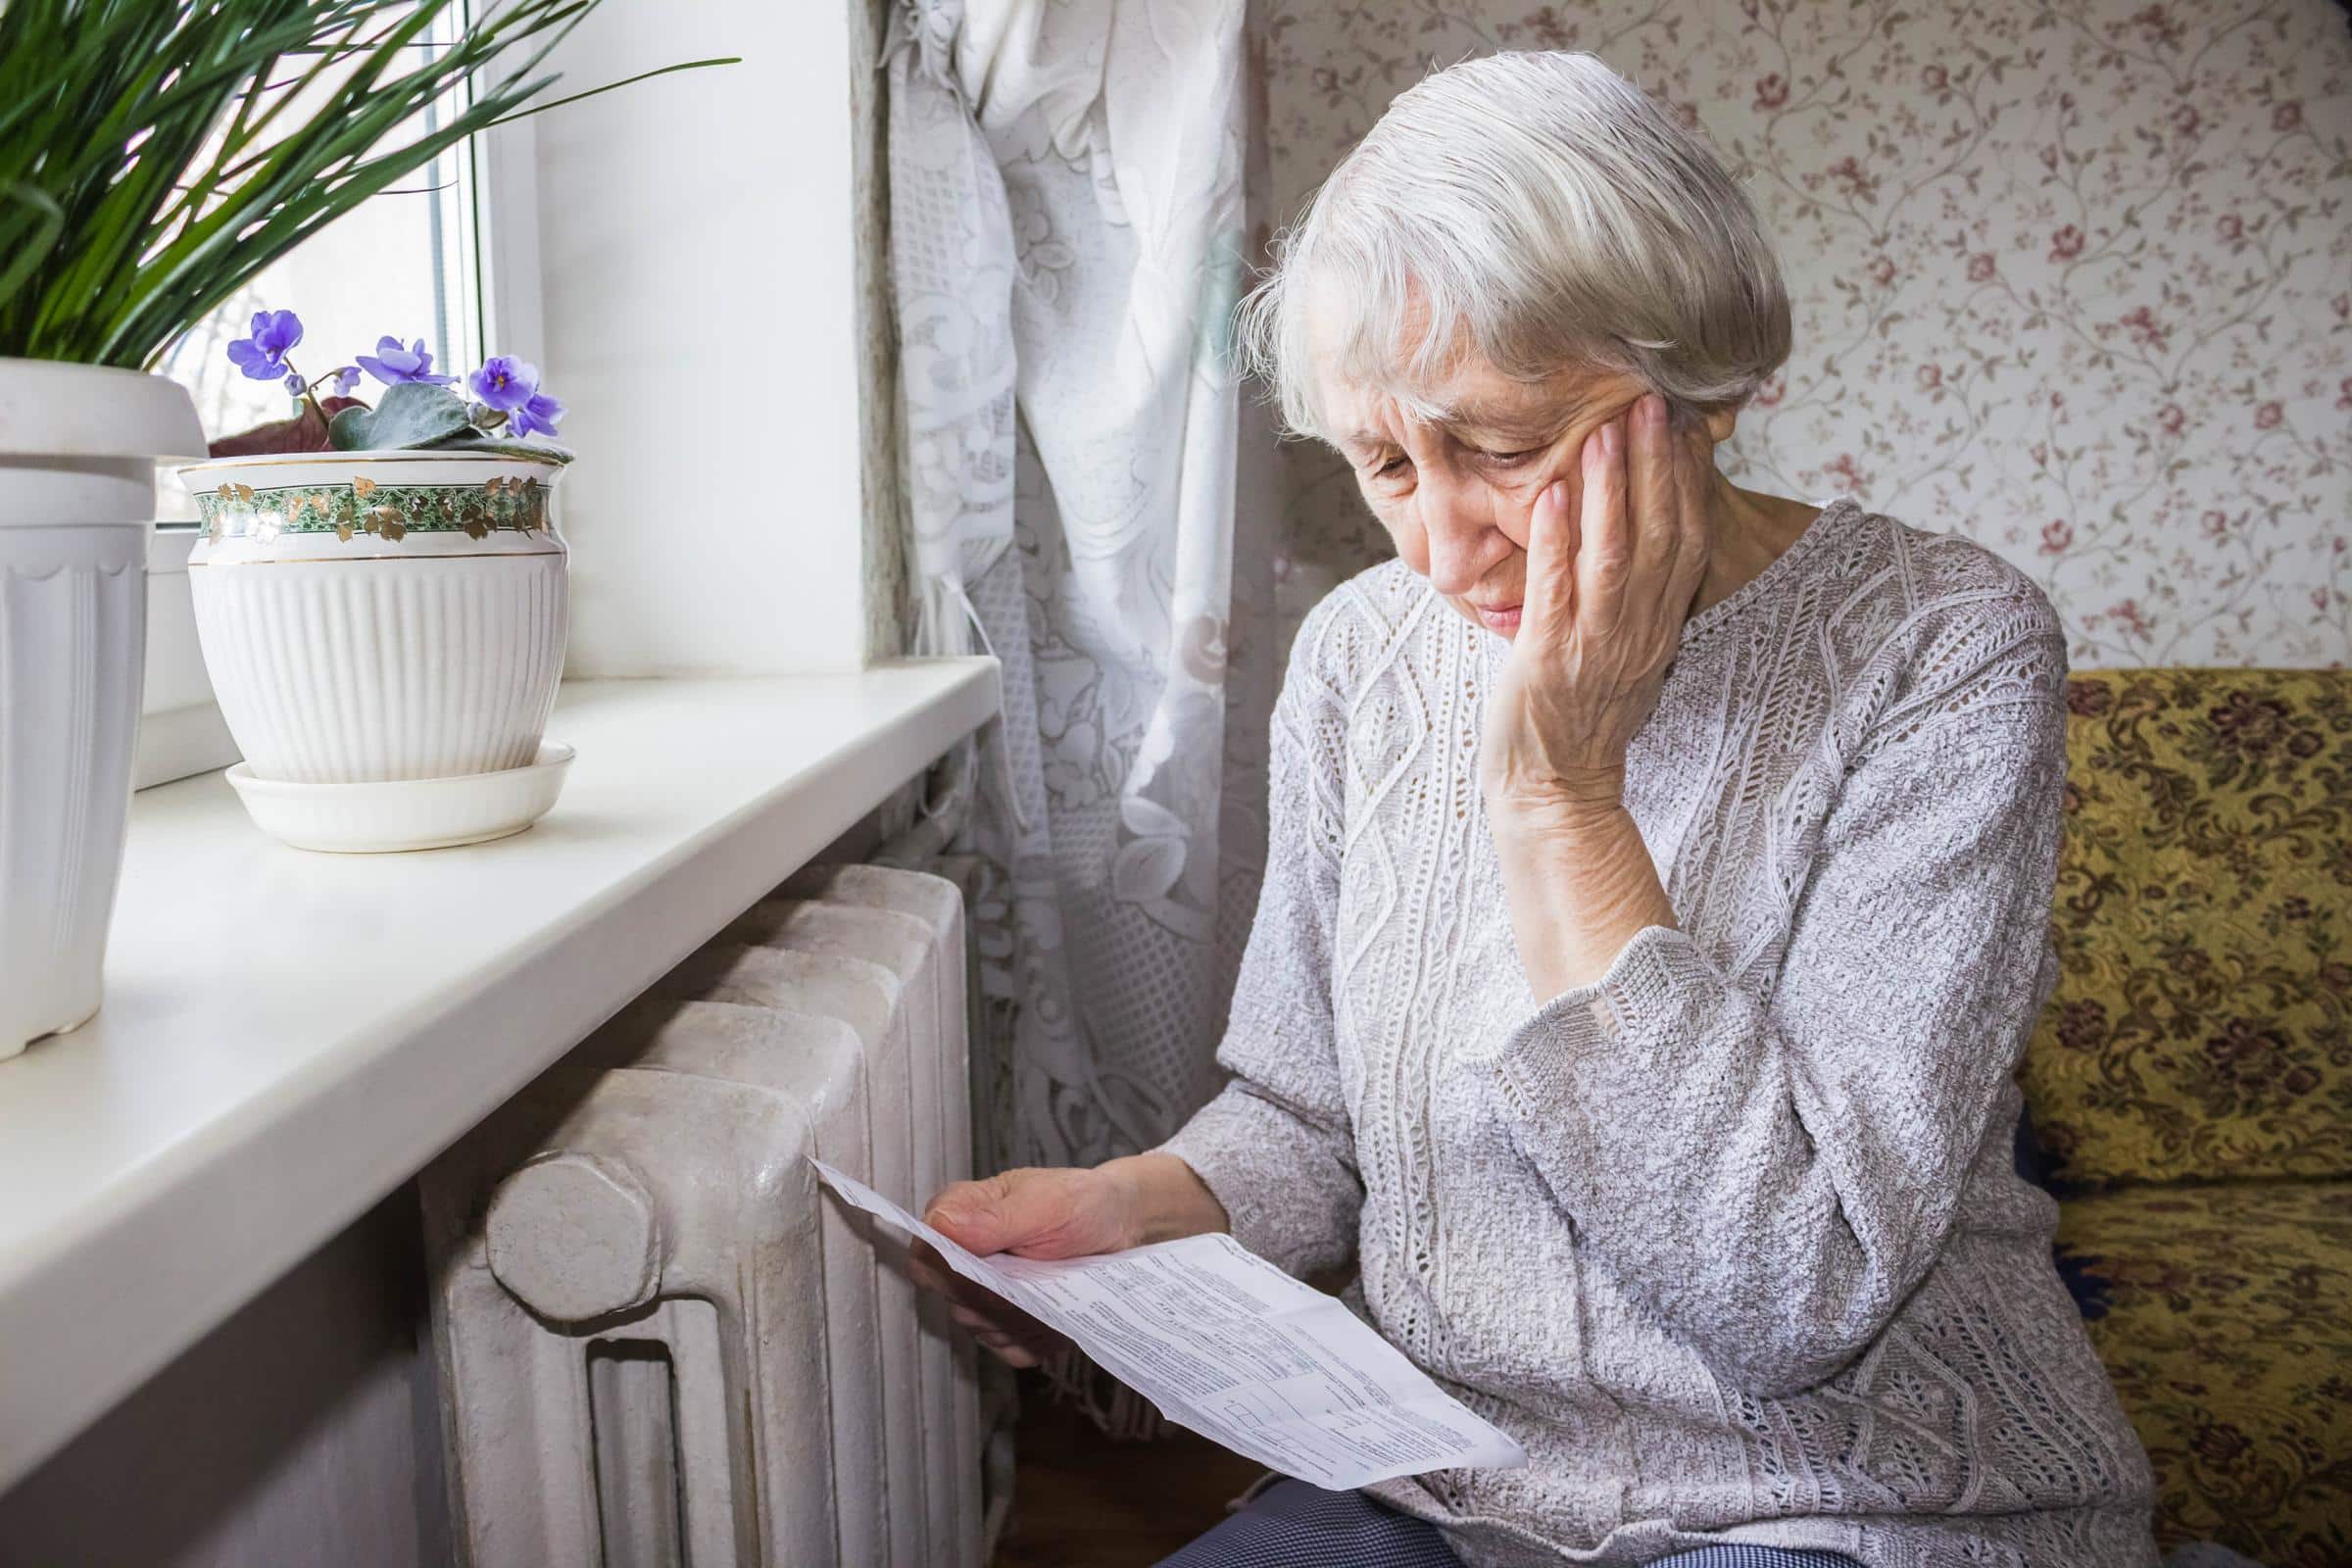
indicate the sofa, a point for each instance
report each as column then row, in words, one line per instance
column 2189, row 1089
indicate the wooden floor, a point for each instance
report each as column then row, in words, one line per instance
column 1081, row 1501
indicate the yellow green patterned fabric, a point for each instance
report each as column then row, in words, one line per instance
column 2204, row 930
column 2225, row 1316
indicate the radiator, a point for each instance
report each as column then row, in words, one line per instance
column 659, row 1343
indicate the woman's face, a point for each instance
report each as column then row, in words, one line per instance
column 1456, row 498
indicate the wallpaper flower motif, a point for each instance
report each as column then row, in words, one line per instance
column 2074, row 278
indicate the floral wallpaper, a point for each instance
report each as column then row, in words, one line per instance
column 2073, row 278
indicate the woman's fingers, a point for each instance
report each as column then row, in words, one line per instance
column 1604, row 541
column 994, row 1215
column 995, row 1323
column 987, row 1216
column 1006, row 1332
column 932, row 1273
column 1654, row 497
column 1549, row 601
column 1054, row 1212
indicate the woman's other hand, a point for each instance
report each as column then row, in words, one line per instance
column 1613, row 562
column 1609, row 585
column 1057, row 1212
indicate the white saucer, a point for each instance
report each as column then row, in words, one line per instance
column 425, row 813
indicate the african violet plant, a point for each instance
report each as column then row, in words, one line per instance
column 417, row 408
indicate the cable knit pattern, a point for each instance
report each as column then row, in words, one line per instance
column 1730, row 1240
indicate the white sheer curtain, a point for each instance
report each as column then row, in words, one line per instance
column 1070, row 227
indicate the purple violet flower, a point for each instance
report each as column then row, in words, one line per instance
column 295, row 384
column 392, row 363
column 537, row 416
column 263, row 356
column 510, row 386
column 343, row 382
column 503, row 382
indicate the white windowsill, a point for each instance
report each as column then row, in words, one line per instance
column 288, row 1036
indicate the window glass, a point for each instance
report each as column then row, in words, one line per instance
column 403, row 262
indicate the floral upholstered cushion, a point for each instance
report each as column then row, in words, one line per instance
column 2200, row 1026
column 2225, row 1316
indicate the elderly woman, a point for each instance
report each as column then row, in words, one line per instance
column 1655, row 910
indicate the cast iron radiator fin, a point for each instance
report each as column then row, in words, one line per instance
column 659, row 1344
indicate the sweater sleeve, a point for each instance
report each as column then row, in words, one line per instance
column 1277, row 1146
column 1773, row 1175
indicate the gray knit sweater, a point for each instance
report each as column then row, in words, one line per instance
column 1731, row 1240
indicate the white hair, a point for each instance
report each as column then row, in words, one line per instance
column 1538, row 210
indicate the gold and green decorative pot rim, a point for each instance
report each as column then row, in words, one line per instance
column 361, row 506
column 371, row 505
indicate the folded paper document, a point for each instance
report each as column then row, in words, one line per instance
column 1229, row 1346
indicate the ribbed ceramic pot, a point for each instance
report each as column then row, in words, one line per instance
column 78, row 451
column 368, row 616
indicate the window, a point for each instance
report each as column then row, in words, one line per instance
column 406, row 262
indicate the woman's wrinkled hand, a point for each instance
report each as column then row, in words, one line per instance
column 1613, row 562
column 1031, row 1213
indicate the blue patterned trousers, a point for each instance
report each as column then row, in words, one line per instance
column 1293, row 1525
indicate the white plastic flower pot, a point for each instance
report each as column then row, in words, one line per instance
column 372, row 616
column 78, row 451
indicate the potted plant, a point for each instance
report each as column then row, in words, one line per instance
column 154, row 159
column 381, row 592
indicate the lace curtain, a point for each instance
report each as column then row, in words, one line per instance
column 1070, row 204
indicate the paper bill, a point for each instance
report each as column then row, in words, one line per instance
column 1232, row 1348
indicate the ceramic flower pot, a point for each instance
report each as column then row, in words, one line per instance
column 77, row 450
column 369, row 617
